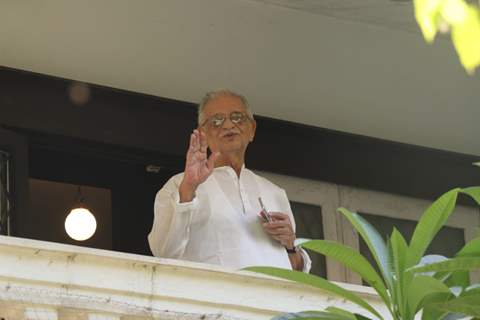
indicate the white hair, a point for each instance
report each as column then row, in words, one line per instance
column 209, row 96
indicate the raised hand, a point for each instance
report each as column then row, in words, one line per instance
column 197, row 167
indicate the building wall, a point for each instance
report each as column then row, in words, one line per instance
column 84, row 134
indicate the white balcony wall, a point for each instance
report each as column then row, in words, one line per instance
column 51, row 281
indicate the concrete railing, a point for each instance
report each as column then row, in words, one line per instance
column 50, row 281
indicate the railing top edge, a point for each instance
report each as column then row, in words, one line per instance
column 68, row 250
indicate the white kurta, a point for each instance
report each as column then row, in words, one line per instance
column 221, row 225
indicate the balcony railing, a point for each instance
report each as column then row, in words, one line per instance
column 50, row 281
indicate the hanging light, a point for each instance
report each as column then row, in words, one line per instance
column 80, row 223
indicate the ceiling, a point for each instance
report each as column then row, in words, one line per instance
column 358, row 66
column 393, row 14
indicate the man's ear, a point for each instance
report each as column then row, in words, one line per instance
column 254, row 128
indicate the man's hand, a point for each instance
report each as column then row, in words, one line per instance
column 280, row 229
column 197, row 167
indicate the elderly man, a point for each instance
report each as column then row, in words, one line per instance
column 211, row 212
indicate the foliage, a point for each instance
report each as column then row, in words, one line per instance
column 407, row 282
column 462, row 19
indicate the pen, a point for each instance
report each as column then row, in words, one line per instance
column 266, row 216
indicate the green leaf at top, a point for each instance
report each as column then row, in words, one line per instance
column 430, row 223
column 351, row 259
column 468, row 305
column 430, row 311
column 454, row 264
column 421, row 287
column 427, row 13
column 470, row 249
column 374, row 241
column 465, row 37
column 473, row 192
column 398, row 256
column 476, row 164
column 399, row 250
column 462, row 278
column 316, row 282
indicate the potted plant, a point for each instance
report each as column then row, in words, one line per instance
column 408, row 283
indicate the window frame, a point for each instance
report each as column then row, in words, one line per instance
column 16, row 145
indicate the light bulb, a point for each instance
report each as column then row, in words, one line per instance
column 80, row 224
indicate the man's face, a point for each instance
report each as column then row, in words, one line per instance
column 227, row 137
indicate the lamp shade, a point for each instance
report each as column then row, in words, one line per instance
column 80, row 224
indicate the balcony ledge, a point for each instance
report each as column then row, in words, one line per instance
column 50, row 281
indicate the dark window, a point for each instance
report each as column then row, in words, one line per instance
column 4, row 192
column 51, row 202
column 120, row 192
column 308, row 220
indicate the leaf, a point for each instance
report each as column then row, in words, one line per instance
column 360, row 317
column 374, row 241
column 341, row 312
column 470, row 249
column 433, row 258
column 462, row 278
column 421, row 287
column 317, row 315
column 453, row 12
column 427, row 14
column 429, row 225
column 468, row 305
column 308, row 315
column 300, row 241
column 398, row 253
column 458, row 278
column 456, row 316
column 476, row 164
column 351, row 315
column 454, row 264
column 429, row 259
column 353, row 260
column 430, row 311
column 316, row 282
column 399, row 249
column 473, row 192
column 473, row 289
column 466, row 38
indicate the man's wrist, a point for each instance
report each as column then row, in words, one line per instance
column 186, row 192
column 292, row 250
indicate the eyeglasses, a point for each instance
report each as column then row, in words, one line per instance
column 216, row 121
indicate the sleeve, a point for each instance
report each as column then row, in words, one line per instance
column 171, row 223
column 307, row 262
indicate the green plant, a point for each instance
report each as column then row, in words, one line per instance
column 406, row 283
column 459, row 17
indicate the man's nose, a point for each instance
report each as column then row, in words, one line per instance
column 227, row 124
